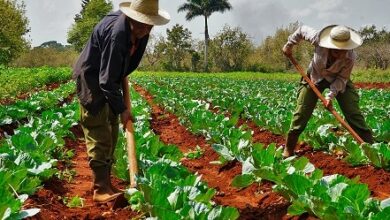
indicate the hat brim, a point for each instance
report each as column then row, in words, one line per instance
column 160, row 19
column 327, row 42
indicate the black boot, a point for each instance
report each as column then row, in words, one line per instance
column 367, row 137
column 291, row 142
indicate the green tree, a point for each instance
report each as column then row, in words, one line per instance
column 177, row 47
column 230, row 49
column 84, row 4
column 375, row 51
column 154, row 53
column 370, row 34
column 13, row 26
column 91, row 13
column 205, row 8
column 269, row 57
column 52, row 44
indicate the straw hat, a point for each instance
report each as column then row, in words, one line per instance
column 145, row 11
column 339, row 37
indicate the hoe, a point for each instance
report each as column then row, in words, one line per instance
column 318, row 93
column 121, row 201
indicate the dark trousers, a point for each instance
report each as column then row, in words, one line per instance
column 101, row 134
column 348, row 102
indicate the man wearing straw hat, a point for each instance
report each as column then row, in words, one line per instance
column 330, row 68
column 113, row 51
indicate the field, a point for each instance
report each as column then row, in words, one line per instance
column 208, row 146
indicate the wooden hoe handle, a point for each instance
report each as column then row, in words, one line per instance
column 321, row 97
column 131, row 153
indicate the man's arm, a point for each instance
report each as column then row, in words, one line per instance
column 339, row 84
column 110, row 76
column 302, row 33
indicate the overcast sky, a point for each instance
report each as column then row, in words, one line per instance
column 51, row 19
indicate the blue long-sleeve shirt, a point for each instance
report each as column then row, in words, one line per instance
column 105, row 61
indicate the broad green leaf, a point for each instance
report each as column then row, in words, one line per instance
column 223, row 213
column 223, row 151
column 297, row 184
column 242, row 181
column 297, row 207
column 372, row 152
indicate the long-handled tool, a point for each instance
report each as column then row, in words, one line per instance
column 318, row 93
column 121, row 201
column 131, row 153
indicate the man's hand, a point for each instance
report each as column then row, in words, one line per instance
column 287, row 50
column 125, row 117
column 328, row 104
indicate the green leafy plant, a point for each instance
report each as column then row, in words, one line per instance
column 195, row 154
column 166, row 189
column 74, row 202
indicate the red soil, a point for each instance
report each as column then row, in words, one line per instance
column 378, row 85
column 49, row 198
column 378, row 180
column 254, row 202
column 22, row 96
column 258, row 200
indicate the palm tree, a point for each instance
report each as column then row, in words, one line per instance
column 204, row 8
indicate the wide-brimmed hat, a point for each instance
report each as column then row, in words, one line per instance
column 145, row 11
column 339, row 37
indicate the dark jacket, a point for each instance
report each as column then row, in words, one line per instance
column 104, row 62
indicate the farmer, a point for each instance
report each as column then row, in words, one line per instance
column 330, row 68
column 113, row 51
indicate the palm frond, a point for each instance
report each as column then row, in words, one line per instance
column 193, row 9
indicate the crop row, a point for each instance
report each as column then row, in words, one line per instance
column 39, row 101
column 326, row 197
column 29, row 157
column 270, row 105
column 166, row 189
column 14, row 81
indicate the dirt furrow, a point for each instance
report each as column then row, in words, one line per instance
column 50, row 198
column 255, row 202
column 375, row 85
column 23, row 96
column 378, row 180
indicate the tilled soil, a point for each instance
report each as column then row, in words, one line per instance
column 49, row 198
column 255, row 202
column 378, row 180
column 377, row 85
column 22, row 96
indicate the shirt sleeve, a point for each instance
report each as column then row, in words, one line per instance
column 303, row 33
column 339, row 84
column 110, row 76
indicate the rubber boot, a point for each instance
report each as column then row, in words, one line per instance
column 367, row 137
column 113, row 188
column 102, row 192
column 291, row 142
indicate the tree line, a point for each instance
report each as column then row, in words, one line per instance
column 231, row 49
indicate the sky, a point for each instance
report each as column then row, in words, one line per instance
column 51, row 19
